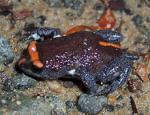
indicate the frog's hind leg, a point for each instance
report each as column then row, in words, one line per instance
column 88, row 81
column 116, row 73
column 119, row 81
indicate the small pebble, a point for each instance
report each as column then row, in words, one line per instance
column 120, row 97
column 137, row 20
column 70, row 105
column 109, row 108
column 6, row 54
column 20, row 82
column 134, row 85
column 18, row 102
column 20, row 15
column 54, row 3
column 55, row 87
column 74, row 4
column 99, row 6
column 128, row 11
column 91, row 104
column 3, row 101
column 120, row 106
column 68, row 84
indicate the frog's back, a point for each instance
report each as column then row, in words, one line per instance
column 75, row 50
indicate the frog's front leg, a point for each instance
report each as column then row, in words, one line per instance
column 88, row 81
column 38, row 33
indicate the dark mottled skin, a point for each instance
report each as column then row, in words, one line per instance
column 89, row 61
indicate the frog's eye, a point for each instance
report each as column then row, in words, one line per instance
column 101, row 43
column 34, row 56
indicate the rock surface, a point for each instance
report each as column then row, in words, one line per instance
column 20, row 82
column 91, row 104
column 6, row 54
column 23, row 105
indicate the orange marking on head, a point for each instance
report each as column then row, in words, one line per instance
column 106, row 44
column 34, row 56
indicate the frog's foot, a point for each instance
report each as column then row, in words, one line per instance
column 116, row 73
column 38, row 33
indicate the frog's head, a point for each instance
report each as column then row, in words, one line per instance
column 29, row 62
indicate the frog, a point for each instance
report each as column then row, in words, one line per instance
column 92, row 57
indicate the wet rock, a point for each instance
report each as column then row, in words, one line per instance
column 20, row 82
column 109, row 108
column 74, row 4
column 23, row 105
column 50, row 105
column 91, row 104
column 137, row 20
column 9, row 100
column 6, row 54
column 54, row 3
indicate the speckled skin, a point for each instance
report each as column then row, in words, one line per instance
column 80, row 56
